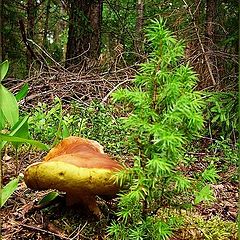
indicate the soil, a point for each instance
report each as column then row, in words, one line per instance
column 23, row 218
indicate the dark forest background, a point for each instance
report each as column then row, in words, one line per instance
column 78, row 34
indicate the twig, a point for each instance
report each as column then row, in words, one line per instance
column 42, row 230
column 81, row 86
column 25, row 40
column 78, row 230
column 121, row 83
column 197, row 153
column 201, row 44
column 30, row 40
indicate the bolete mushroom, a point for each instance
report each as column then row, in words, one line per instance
column 78, row 167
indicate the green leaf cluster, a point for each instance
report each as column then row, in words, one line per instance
column 222, row 114
column 17, row 128
column 8, row 104
column 8, row 190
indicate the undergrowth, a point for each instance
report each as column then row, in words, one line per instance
column 222, row 115
column 163, row 118
column 192, row 226
column 96, row 121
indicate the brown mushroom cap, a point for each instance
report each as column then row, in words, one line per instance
column 78, row 167
column 74, row 145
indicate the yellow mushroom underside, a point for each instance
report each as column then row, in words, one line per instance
column 71, row 179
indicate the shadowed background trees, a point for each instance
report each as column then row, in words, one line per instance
column 38, row 34
column 84, row 30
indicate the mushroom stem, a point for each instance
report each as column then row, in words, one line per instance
column 86, row 200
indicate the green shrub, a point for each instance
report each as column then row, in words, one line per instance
column 43, row 122
column 166, row 114
column 102, row 123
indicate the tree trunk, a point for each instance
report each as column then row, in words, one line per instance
column 31, row 15
column 139, row 27
column 46, row 25
column 211, row 13
column 84, row 30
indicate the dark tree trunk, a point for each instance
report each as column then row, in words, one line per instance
column 46, row 25
column 84, row 30
column 31, row 16
column 211, row 14
column 139, row 27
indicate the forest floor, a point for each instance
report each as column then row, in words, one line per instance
column 23, row 218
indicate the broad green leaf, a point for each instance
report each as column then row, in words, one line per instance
column 17, row 127
column 3, row 69
column 9, row 106
column 38, row 144
column 8, row 190
column 21, row 130
column 65, row 131
column 48, row 198
column 23, row 92
column 2, row 121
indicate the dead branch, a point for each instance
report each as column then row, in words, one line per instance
column 82, row 86
column 201, row 44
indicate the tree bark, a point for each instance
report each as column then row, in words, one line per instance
column 46, row 25
column 84, row 30
column 139, row 27
column 31, row 16
column 211, row 14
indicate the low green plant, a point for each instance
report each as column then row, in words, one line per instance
column 225, row 156
column 101, row 123
column 216, row 228
column 8, row 190
column 47, row 124
column 224, row 148
column 166, row 114
column 14, row 127
column 222, row 115
column 96, row 121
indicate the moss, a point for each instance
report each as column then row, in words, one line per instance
column 195, row 227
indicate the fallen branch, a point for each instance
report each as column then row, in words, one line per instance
column 43, row 231
column 79, row 86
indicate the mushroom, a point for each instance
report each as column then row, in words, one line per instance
column 78, row 167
